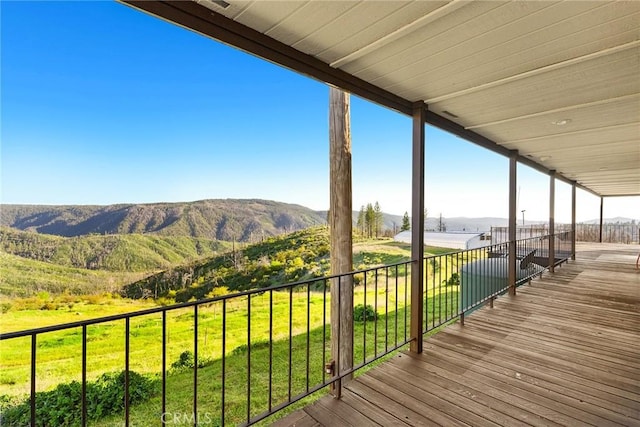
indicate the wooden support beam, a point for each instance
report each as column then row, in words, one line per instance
column 513, row 172
column 340, row 223
column 573, row 222
column 552, row 216
column 417, row 227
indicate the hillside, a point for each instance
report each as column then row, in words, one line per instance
column 296, row 256
column 228, row 219
column 22, row 277
column 124, row 253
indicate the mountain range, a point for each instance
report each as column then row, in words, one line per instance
column 228, row 219
column 245, row 220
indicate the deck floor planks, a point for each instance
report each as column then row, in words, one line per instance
column 537, row 391
column 564, row 351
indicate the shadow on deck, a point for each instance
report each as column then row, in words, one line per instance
column 564, row 351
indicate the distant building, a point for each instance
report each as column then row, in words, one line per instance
column 449, row 239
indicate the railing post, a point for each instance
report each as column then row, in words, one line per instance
column 340, row 223
column 552, row 211
column 417, row 226
column 513, row 168
column 601, row 213
column 573, row 221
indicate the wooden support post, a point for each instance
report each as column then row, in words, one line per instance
column 601, row 217
column 552, row 215
column 573, row 222
column 417, row 227
column 513, row 169
column 340, row 223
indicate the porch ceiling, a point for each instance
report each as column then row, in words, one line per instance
column 557, row 81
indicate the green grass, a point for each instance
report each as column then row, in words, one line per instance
column 59, row 352
column 180, row 384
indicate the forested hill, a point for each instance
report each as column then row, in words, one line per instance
column 119, row 252
column 223, row 219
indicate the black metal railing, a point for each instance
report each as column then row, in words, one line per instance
column 611, row 233
column 256, row 352
column 271, row 349
column 459, row 282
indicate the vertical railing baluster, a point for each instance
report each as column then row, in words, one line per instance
column 126, row 371
column 290, row 337
column 375, row 302
column 164, row 364
column 224, row 361
column 433, row 295
column 33, row 380
column 324, row 331
column 364, row 333
column 308, row 330
column 270, row 349
column 396, row 299
column 426, row 294
column 440, row 290
column 406, row 274
column 248, row 358
column 195, row 365
column 84, row 376
column 386, row 309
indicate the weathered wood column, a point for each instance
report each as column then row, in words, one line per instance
column 513, row 178
column 573, row 222
column 417, row 227
column 340, row 223
column 552, row 219
column 601, row 217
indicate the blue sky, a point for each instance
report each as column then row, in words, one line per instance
column 103, row 104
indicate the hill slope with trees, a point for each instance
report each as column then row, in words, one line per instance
column 228, row 219
column 120, row 252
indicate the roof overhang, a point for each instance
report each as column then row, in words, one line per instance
column 555, row 83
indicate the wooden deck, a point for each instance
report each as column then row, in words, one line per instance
column 564, row 351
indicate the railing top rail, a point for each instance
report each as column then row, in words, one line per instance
column 493, row 245
column 104, row 319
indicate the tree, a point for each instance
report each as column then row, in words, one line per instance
column 369, row 219
column 406, row 224
column 361, row 220
column 378, row 219
column 442, row 226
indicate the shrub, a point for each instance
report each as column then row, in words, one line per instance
column 362, row 313
column 62, row 406
column 454, row 280
column 186, row 360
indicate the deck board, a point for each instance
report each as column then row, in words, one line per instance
column 564, row 351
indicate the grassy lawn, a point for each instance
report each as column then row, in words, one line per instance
column 59, row 353
column 377, row 335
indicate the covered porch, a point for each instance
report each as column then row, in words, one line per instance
column 564, row 351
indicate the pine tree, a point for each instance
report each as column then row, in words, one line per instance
column 361, row 221
column 369, row 218
column 378, row 219
column 406, row 224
